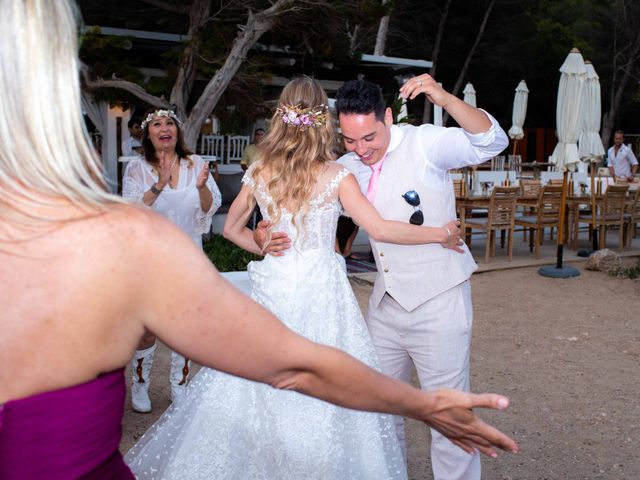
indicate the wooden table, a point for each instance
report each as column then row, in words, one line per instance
column 465, row 203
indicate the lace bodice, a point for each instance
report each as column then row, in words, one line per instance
column 316, row 229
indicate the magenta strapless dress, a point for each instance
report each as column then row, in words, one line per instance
column 65, row 434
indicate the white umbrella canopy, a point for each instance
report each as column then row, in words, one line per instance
column 590, row 145
column 568, row 111
column 519, row 111
column 469, row 94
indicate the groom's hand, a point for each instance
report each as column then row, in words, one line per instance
column 279, row 240
column 426, row 84
column 456, row 421
column 454, row 240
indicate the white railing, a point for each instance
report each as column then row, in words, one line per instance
column 226, row 148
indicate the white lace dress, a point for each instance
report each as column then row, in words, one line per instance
column 181, row 205
column 231, row 428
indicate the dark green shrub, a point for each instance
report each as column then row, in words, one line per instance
column 226, row 256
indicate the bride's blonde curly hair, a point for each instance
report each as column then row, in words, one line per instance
column 292, row 156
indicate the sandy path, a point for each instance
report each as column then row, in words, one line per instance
column 567, row 353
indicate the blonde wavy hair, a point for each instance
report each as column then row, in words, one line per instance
column 45, row 151
column 291, row 158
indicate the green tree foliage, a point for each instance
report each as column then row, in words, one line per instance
column 524, row 39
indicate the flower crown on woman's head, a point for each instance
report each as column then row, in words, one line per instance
column 160, row 113
column 303, row 118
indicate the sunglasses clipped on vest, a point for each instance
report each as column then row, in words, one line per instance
column 413, row 199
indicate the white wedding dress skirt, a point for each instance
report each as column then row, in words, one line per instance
column 230, row 428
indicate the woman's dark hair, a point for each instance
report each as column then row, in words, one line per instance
column 150, row 151
column 361, row 97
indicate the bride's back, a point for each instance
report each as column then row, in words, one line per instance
column 313, row 225
column 295, row 179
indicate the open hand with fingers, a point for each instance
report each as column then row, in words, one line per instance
column 164, row 168
column 425, row 84
column 201, row 181
column 455, row 419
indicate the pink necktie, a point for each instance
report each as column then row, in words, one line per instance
column 373, row 181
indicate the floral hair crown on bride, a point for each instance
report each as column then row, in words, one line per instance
column 303, row 118
column 160, row 113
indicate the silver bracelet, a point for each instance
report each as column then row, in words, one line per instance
column 448, row 233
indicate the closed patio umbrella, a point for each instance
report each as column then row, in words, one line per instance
column 565, row 155
column 469, row 94
column 590, row 146
column 568, row 112
column 519, row 113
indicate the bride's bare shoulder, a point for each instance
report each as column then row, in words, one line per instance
column 334, row 171
column 333, row 167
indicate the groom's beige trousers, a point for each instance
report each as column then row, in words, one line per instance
column 436, row 338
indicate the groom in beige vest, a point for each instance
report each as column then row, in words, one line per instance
column 420, row 311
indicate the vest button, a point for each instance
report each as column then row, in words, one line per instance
column 382, row 254
column 386, row 270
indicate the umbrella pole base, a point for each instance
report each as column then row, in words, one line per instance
column 553, row 271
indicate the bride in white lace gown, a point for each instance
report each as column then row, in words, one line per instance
column 231, row 428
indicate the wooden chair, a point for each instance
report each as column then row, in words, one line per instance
column 632, row 216
column 458, row 187
column 611, row 214
column 529, row 188
column 547, row 214
column 556, row 182
column 501, row 216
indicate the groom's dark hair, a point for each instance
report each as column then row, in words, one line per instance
column 360, row 97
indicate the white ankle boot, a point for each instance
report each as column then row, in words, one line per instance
column 140, row 378
column 179, row 378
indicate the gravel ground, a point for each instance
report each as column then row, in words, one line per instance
column 566, row 352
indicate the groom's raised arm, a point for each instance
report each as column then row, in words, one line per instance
column 479, row 137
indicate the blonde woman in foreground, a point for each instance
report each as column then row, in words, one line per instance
column 234, row 428
column 79, row 286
